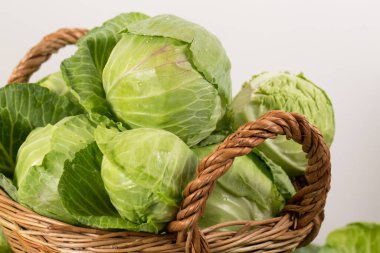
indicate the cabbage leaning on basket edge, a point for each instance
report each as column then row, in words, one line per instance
column 157, row 72
column 250, row 190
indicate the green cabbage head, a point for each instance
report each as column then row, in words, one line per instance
column 246, row 192
column 144, row 172
column 286, row 92
column 159, row 72
column 171, row 74
column 40, row 163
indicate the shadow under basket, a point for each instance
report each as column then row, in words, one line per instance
column 297, row 226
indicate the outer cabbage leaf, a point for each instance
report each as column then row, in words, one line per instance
column 245, row 192
column 23, row 107
column 287, row 92
column 40, row 163
column 356, row 237
column 83, row 194
column 278, row 176
column 144, row 172
column 83, row 71
column 4, row 246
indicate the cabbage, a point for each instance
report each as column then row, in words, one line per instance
column 286, row 92
column 40, row 162
column 246, row 192
column 144, row 172
column 24, row 107
column 161, row 72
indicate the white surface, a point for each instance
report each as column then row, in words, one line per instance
column 335, row 43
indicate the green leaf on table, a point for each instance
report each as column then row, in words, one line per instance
column 24, row 107
column 354, row 238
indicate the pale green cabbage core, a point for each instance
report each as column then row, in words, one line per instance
column 150, row 82
column 286, row 92
column 40, row 163
column 144, row 172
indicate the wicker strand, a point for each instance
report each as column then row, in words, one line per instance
column 306, row 206
column 40, row 53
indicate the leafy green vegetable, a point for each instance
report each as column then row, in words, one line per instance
column 40, row 163
column 360, row 237
column 4, row 246
column 83, row 194
column 287, row 92
column 356, row 237
column 24, row 107
column 163, row 72
column 83, row 71
column 144, row 172
column 245, row 192
column 170, row 74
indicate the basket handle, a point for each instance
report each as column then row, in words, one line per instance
column 305, row 207
column 41, row 52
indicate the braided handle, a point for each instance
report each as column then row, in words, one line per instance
column 307, row 204
column 41, row 52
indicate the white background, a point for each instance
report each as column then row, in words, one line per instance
column 335, row 43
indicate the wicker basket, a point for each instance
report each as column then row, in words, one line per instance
column 298, row 224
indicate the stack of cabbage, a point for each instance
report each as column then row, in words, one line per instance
column 112, row 140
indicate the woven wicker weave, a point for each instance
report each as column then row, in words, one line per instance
column 298, row 224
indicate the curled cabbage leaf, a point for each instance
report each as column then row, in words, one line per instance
column 40, row 163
